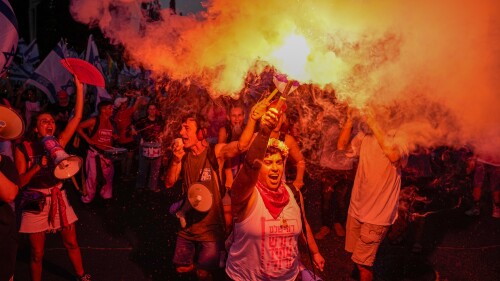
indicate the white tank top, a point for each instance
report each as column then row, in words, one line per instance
column 265, row 248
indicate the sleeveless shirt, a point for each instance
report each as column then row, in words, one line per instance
column 104, row 135
column 263, row 247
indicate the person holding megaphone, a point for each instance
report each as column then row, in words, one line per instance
column 36, row 173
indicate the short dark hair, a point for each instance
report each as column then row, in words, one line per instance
column 201, row 121
column 103, row 104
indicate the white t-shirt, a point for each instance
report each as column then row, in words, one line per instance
column 375, row 193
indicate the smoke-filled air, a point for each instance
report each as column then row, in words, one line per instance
column 429, row 68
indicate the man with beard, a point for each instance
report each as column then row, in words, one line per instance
column 374, row 199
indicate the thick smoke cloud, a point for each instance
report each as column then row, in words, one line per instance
column 429, row 68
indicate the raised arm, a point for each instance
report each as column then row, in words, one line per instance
column 345, row 133
column 70, row 129
column 243, row 185
column 388, row 147
column 234, row 148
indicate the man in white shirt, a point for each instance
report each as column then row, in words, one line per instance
column 374, row 199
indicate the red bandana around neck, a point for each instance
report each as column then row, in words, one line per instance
column 274, row 200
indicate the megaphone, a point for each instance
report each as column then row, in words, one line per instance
column 66, row 165
column 200, row 197
column 11, row 124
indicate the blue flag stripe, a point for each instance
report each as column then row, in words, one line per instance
column 9, row 14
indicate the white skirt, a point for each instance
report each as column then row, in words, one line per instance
column 39, row 222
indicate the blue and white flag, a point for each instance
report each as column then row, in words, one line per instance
column 31, row 54
column 92, row 56
column 8, row 36
column 27, row 60
column 51, row 76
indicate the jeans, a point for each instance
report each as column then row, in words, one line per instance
column 149, row 171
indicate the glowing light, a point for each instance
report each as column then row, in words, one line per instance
column 291, row 57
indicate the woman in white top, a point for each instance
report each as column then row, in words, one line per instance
column 268, row 219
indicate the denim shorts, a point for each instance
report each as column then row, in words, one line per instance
column 208, row 253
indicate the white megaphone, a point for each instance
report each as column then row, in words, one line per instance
column 11, row 124
column 66, row 165
column 200, row 197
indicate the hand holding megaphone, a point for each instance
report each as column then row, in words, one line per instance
column 66, row 165
column 44, row 162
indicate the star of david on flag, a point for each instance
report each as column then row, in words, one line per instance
column 8, row 35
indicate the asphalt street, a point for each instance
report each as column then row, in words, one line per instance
column 133, row 237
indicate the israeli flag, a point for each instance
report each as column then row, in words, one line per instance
column 9, row 36
column 51, row 76
column 92, row 56
column 31, row 54
column 27, row 59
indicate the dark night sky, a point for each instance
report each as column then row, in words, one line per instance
column 53, row 23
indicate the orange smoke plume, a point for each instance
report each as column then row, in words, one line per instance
column 370, row 51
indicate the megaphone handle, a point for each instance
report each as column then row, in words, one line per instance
column 75, row 183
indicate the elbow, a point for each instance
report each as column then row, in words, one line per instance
column 394, row 157
column 12, row 195
column 169, row 183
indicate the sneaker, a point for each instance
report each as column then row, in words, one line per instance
column 84, row 277
column 322, row 233
column 473, row 212
column 339, row 229
column 496, row 212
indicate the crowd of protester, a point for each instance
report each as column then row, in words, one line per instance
column 176, row 131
